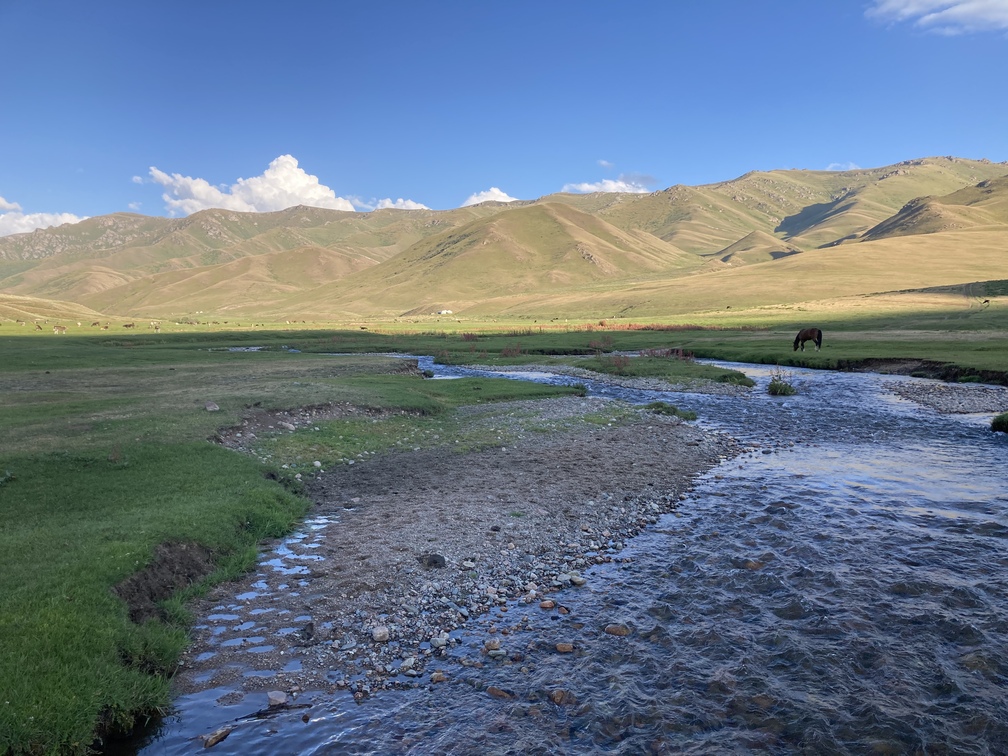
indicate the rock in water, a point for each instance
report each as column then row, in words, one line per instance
column 215, row 737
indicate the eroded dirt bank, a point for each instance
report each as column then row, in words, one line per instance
column 402, row 548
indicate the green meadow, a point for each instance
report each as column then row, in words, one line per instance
column 105, row 454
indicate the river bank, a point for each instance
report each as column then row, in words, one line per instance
column 404, row 547
column 780, row 606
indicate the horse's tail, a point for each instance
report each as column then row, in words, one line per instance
column 818, row 338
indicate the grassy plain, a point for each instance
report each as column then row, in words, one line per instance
column 104, row 454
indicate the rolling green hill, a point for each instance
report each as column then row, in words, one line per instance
column 762, row 238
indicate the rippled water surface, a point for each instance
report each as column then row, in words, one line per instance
column 847, row 593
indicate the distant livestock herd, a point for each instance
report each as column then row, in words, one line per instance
column 61, row 329
column 154, row 325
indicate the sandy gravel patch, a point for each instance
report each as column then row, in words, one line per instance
column 953, row 398
column 402, row 549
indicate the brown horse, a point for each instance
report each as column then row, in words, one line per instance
column 808, row 334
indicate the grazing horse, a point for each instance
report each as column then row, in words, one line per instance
column 808, row 334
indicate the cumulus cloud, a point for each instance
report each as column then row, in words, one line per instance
column 944, row 16
column 626, row 184
column 13, row 220
column 493, row 194
column 282, row 185
column 843, row 167
column 387, row 203
column 605, row 164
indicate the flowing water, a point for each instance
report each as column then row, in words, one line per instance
column 846, row 593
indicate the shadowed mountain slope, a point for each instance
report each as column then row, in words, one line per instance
column 985, row 204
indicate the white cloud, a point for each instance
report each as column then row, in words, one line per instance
column 605, row 164
column 14, row 221
column 400, row 204
column 944, row 16
column 387, row 203
column 283, row 184
column 843, row 167
column 626, row 184
column 493, row 194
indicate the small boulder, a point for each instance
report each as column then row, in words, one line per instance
column 431, row 560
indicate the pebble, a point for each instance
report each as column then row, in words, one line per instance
column 562, row 697
column 439, row 641
column 380, row 634
column 565, row 648
column 276, row 698
column 618, row 629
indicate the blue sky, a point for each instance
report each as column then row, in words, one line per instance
column 164, row 108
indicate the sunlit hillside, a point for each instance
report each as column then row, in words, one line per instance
column 763, row 239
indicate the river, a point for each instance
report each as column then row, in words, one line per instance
column 846, row 593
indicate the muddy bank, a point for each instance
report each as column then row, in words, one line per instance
column 403, row 548
column 941, row 371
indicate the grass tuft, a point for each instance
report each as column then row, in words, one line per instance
column 781, row 383
column 664, row 408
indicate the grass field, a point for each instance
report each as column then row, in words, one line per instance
column 104, row 456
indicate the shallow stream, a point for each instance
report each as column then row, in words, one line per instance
column 845, row 593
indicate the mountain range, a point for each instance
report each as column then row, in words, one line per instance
column 758, row 240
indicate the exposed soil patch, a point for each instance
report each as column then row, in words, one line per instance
column 258, row 421
column 176, row 565
column 941, row 371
